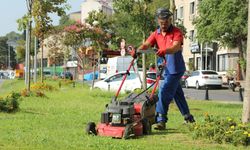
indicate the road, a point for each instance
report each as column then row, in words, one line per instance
column 223, row 94
column 1, row 81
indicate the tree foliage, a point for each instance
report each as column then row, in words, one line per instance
column 3, row 51
column 20, row 51
column 54, row 44
column 65, row 21
column 41, row 11
column 133, row 19
column 224, row 21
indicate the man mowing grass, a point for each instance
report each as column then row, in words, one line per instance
column 169, row 40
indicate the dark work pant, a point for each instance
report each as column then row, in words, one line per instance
column 171, row 89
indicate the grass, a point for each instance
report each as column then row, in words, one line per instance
column 58, row 122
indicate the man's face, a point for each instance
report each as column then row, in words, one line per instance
column 164, row 24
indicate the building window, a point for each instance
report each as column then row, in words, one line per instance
column 181, row 13
column 175, row 15
column 198, row 63
column 192, row 8
column 191, row 36
column 222, row 62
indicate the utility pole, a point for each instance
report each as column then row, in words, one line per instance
column 246, row 102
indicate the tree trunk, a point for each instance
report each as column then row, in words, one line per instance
column 83, row 70
column 28, row 62
column 93, row 81
column 99, row 63
column 35, row 61
column 54, row 74
column 246, row 103
column 42, row 61
column 241, row 72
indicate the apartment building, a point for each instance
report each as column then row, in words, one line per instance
column 202, row 55
column 90, row 5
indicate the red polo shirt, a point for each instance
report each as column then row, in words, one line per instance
column 166, row 41
column 175, row 62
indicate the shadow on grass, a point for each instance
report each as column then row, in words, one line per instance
column 195, row 109
column 165, row 132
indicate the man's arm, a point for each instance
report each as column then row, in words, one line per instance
column 175, row 48
column 145, row 46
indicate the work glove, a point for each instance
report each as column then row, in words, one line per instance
column 161, row 52
column 132, row 51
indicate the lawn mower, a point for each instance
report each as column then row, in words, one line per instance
column 129, row 117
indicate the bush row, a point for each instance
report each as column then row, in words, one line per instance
column 222, row 130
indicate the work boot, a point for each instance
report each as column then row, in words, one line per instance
column 160, row 126
column 189, row 118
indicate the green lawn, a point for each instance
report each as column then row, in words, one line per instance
column 58, row 122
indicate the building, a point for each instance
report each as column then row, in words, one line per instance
column 91, row 5
column 76, row 16
column 202, row 55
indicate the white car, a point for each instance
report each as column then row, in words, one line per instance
column 113, row 82
column 151, row 78
column 202, row 78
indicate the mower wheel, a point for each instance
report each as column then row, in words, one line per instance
column 128, row 131
column 90, row 128
column 146, row 126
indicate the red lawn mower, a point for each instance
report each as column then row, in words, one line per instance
column 132, row 116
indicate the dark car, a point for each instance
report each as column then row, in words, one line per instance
column 183, row 78
column 66, row 75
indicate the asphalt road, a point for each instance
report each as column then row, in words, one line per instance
column 1, row 81
column 223, row 94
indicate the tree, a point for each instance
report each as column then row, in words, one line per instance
column 20, row 50
column 246, row 103
column 139, row 22
column 3, row 52
column 65, row 21
column 55, row 49
column 84, row 35
column 223, row 21
column 43, row 22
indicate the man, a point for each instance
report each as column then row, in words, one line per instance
column 169, row 40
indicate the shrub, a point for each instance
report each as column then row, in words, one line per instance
column 66, row 81
column 10, row 103
column 36, row 93
column 41, row 87
column 222, row 130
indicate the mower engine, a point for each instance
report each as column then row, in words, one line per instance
column 130, row 117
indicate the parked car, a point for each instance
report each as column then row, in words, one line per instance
column 184, row 77
column 151, row 78
column 131, row 83
column 113, row 82
column 66, row 75
column 202, row 78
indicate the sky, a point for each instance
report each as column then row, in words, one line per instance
column 11, row 10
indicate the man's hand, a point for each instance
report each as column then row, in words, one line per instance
column 161, row 52
column 132, row 51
